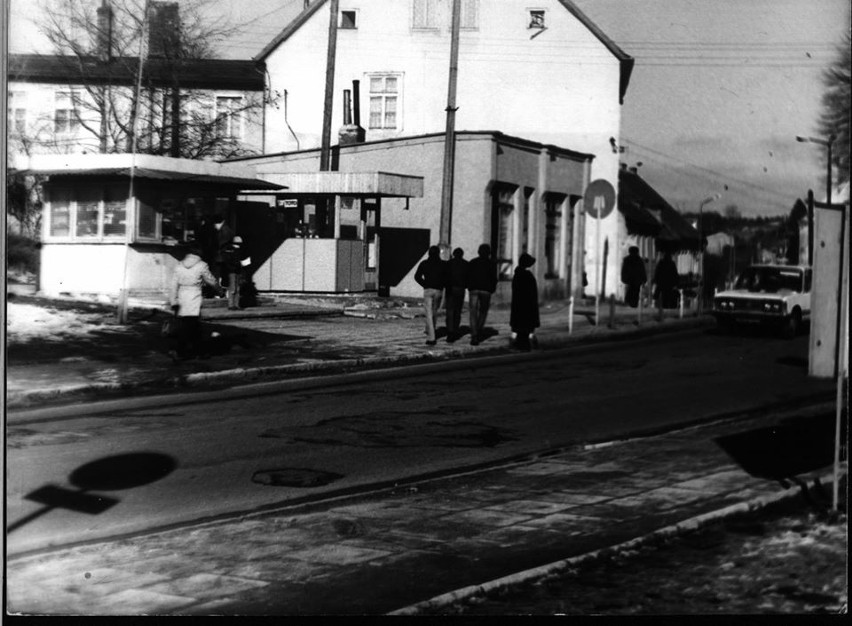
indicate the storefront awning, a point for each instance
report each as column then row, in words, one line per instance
column 358, row 184
column 143, row 166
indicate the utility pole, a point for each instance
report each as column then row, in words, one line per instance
column 449, row 136
column 329, row 87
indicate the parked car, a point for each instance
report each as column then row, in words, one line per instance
column 778, row 295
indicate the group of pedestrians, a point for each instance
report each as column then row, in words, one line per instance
column 447, row 282
column 666, row 279
column 213, row 266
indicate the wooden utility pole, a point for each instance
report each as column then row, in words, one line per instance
column 449, row 137
column 325, row 151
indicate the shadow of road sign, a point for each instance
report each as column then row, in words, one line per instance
column 123, row 471
column 796, row 445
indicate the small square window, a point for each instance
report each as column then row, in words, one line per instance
column 536, row 19
column 349, row 20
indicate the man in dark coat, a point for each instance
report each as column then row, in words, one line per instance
column 481, row 283
column 524, row 318
column 456, row 285
column 633, row 275
column 666, row 283
column 431, row 275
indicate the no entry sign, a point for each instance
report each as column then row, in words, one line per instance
column 599, row 199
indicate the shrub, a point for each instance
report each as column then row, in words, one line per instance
column 22, row 253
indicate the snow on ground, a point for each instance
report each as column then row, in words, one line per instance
column 25, row 322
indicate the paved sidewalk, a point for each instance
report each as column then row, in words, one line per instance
column 393, row 551
column 288, row 339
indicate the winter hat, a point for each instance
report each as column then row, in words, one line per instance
column 526, row 260
column 237, row 239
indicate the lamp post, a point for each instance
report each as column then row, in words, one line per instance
column 707, row 200
column 827, row 143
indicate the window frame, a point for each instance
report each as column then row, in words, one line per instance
column 73, row 198
column 355, row 22
column 431, row 16
column 385, row 96
column 71, row 124
column 535, row 23
column 16, row 115
column 469, row 13
column 229, row 116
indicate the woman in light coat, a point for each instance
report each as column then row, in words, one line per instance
column 185, row 299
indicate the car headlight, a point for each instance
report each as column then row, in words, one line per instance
column 773, row 307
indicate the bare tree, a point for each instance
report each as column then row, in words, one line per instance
column 834, row 119
column 101, row 45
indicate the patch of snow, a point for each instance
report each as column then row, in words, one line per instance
column 28, row 321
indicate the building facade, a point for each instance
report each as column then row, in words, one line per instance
column 514, row 194
column 546, row 74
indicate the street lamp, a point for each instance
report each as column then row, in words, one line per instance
column 827, row 143
column 707, row 200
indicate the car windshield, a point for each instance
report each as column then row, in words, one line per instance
column 770, row 279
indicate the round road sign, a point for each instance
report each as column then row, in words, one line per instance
column 599, row 199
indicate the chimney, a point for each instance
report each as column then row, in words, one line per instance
column 349, row 133
column 164, row 30
column 104, row 37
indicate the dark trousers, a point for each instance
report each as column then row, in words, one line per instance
column 480, row 301
column 189, row 339
column 454, row 304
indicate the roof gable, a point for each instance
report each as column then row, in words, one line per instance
column 624, row 59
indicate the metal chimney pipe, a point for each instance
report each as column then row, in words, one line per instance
column 347, row 108
column 356, row 102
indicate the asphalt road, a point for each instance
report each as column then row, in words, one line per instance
column 212, row 454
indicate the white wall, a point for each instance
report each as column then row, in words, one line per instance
column 559, row 87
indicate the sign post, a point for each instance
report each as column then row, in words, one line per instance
column 599, row 200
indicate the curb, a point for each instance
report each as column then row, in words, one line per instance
column 689, row 525
column 25, row 398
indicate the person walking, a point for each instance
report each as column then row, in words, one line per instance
column 431, row 275
column 524, row 316
column 456, row 286
column 481, row 283
column 185, row 299
column 633, row 275
column 665, row 283
column 224, row 235
column 235, row 261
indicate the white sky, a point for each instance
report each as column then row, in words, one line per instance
column 719, row 91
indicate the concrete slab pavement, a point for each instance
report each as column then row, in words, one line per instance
column 411, row 549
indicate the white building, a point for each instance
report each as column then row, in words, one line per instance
column 540, row 72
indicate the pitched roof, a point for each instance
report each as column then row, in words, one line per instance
column 640, row 204
column 625, row 59
column 189, row 73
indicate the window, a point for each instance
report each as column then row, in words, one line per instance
column 384, row 101
column 503, row 230
column 115, row 210
column 60, row 213
column 65, row 116
column 536, row 18
column 17, row 112
column 86, row 221
column 469, row 17
column 552, row 234
column 228, row 118
column 348, row 20
column 424, row 14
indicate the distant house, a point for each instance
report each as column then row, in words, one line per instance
column 654, row 225
column 194, row 108
column 543, row 73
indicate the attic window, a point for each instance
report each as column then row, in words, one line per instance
column 349, row 20
column 536, row 18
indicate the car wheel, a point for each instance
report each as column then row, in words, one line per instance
column 793, row 324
